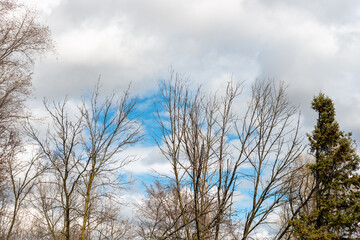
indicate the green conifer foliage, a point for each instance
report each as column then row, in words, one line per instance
column 336, row 214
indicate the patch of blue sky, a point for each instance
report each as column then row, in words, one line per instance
column 231, row 137
column 146, row 179
column 147, row 110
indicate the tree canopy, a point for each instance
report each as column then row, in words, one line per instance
column 336, row 214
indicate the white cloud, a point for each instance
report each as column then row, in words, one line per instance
column 149, row 160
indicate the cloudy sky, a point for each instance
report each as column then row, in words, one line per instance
column 310, row 45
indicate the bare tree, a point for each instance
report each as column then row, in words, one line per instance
column 110, row 128
column 84, row 154
column 300, row 196
column 9, row 148
column 272, row 147
column 109, row 224
column 22, row 174
column 194, row 141
column 47, row 213
column 160, row 212
column 208, row 145
column 21, row 36
column 59, row 148
column 22, row 39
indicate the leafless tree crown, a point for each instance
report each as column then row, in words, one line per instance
column 213, row 151
column 22, row 40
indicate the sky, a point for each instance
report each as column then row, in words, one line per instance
column 312, row 46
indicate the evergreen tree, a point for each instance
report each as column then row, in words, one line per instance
column 336, row 214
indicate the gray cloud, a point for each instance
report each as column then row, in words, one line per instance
column 311, row 45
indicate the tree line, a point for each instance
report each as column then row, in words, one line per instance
column 65, row 182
